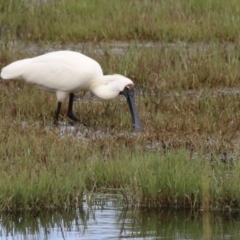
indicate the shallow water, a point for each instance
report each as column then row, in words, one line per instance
column 112, row 47
column 109, row 219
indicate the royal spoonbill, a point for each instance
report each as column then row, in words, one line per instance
column 66, row 73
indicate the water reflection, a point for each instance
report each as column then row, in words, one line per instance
column 110, row 220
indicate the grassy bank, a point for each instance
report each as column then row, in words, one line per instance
column 40, row 170
column 64, row 21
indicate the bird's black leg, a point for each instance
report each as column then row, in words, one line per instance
column 70, row 111
column 57, row 113
column 70, row 107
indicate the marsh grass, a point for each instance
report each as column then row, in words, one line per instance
column 40, row 170
column 164, row 20
column 186, row 156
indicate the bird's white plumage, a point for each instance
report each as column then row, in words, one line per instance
column 61, row 71
column 15, row 69
column 110, row 87
column 65, row 72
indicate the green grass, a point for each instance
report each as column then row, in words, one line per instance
column 64, row 21
column 41, row 170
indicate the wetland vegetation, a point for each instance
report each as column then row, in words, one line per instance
column 187, row 83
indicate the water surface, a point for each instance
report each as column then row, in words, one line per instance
column 110, row 219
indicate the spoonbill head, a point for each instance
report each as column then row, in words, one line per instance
column 66, row 73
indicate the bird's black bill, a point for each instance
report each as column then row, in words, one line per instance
column 128, row 92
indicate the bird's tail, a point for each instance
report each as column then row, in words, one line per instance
column 14, row 70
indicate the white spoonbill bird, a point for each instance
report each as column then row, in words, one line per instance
column 66, row 73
